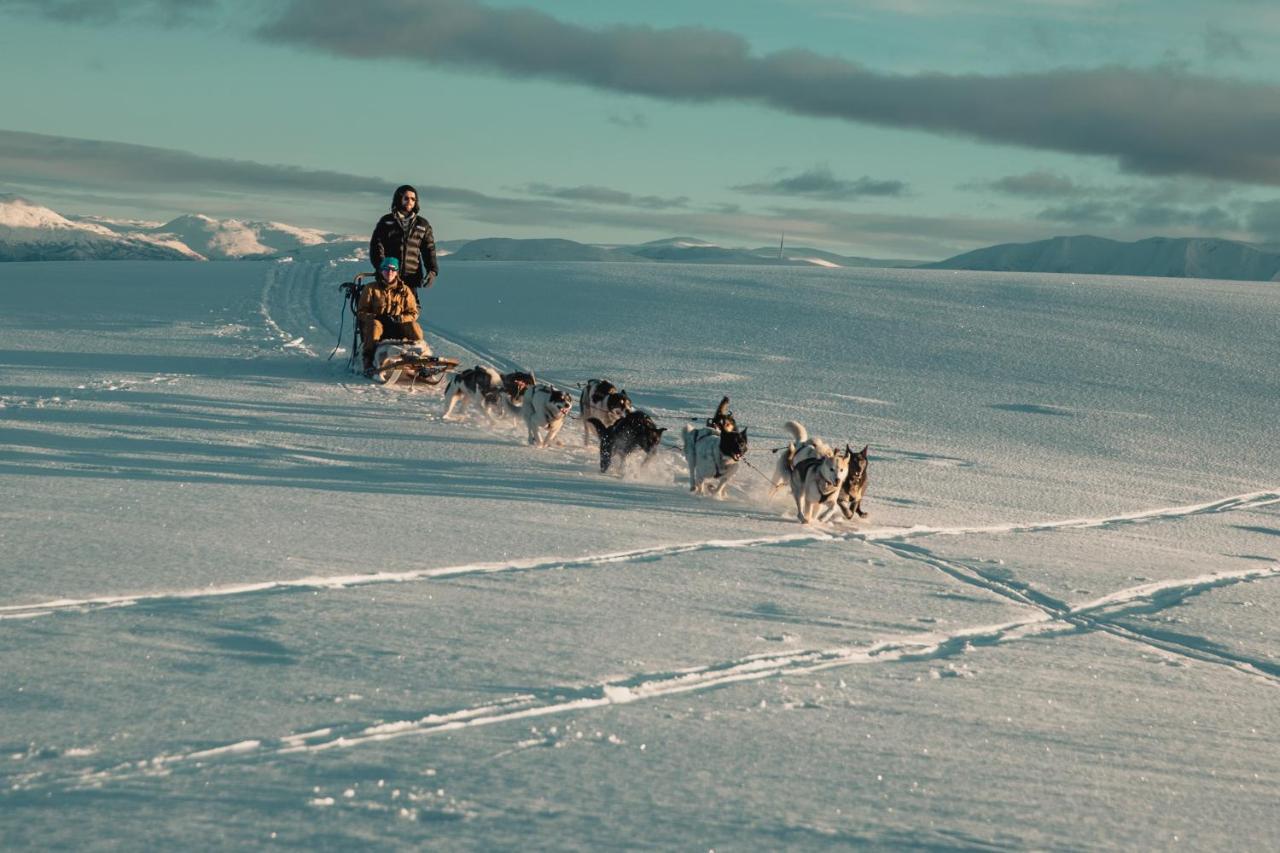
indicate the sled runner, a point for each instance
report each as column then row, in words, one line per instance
column 395, row 361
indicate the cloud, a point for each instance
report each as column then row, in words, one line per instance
column 1160, row 121
column 1083, row 213
column 820, row 183
column 634, row 121
column 1264, row 220
column 605, row 195
column 1040, row 184
column 1220, row 44
column 28, row 157
column 165, row 12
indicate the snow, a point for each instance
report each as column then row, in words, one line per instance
column 248, row 597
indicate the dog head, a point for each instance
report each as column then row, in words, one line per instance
column 834, row 469
column 855, row 482
column 515, row 383
column 558, row 401
column 723, row 418
column 733, row 444
column 618, row 404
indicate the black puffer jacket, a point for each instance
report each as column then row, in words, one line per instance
column 411, row 242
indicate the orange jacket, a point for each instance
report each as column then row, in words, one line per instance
column 394, row 301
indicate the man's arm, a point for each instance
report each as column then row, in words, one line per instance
column 429, row 256
column 376, row 252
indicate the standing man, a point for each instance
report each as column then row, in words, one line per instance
column 406, row 235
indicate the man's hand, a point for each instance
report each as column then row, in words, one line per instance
column 431, row 277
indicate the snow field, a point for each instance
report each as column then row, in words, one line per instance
column 299, row 594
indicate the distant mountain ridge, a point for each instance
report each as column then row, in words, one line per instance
column 29, row 232
column 1186, row 257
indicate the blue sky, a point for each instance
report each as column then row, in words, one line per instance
column 905, row 128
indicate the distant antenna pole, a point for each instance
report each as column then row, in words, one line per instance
column 781, row 239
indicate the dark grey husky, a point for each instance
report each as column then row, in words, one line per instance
column 635, row 431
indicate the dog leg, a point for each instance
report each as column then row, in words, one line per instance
column 553, row 429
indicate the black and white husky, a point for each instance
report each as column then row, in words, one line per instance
column 635, row 431
column 544, row 409
column 814, row 472
column 492, row 393
column 713, row 456
column 605, row 402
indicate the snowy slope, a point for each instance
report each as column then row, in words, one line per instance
column 249, row 598
column 30, row 232
column 229, row 239
column 1156, row 256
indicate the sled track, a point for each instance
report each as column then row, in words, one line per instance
column 895, row 539
column 1045, row 623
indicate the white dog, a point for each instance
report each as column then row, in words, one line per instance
column 713, row 457
column 814, row 472
column 545, row 408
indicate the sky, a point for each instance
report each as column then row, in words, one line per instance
column 882, row 128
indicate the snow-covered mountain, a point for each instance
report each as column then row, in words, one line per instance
column 1156, row 256
column 230, row 239
column 687, row 250
column 30, row 232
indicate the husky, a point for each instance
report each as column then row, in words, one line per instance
column 545, row 407
column 854, row 485
column 603, row 401
column 484, row 388
column 713, row 456
column 723, row 420
column 635, row 431
column 814, row 471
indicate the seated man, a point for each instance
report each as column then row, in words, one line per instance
column 387, row 311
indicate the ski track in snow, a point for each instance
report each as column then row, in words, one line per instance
column 1047, row 621
column 894, row 538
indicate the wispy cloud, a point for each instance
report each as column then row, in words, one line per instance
column 28, row 157
column 605, row 195
column 164, row 12
column 633, row 121
column 1185, row 206
column 1219, row 44
column 821, row 183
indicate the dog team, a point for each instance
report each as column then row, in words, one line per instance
column 821, row 480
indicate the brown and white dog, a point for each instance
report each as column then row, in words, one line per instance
column 854, row 485
column 605, row 402
column 544, row 409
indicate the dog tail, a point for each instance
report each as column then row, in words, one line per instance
column 798, row 431
column 599, row 425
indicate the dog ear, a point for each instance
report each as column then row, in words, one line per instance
column 863, row 454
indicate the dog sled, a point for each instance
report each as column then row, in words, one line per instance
column 395, row 361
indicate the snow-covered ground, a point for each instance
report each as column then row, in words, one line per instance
column 248, row 598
